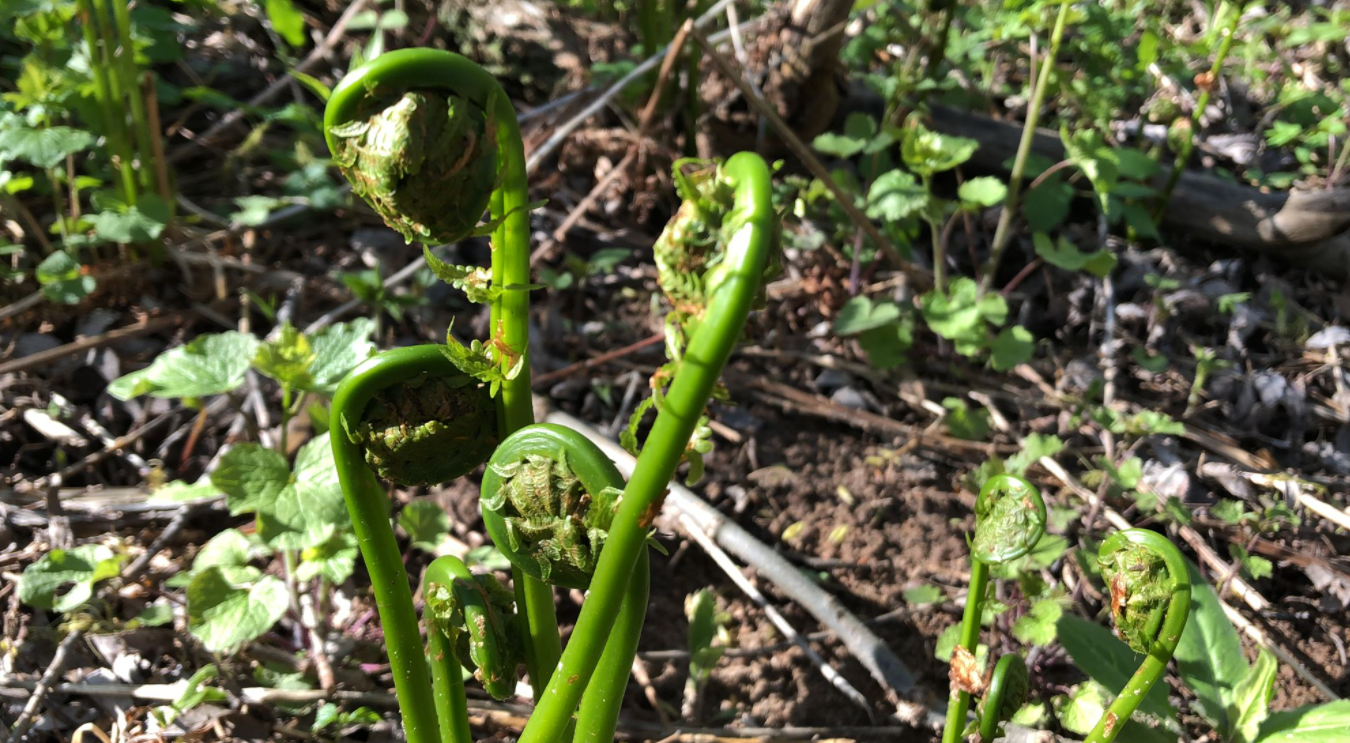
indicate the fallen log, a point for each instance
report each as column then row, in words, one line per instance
column 1306, row 228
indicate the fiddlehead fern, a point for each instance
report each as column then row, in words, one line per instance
column 430, row 139
column 369, row 388
column 1150, row 591
column 749, row 231
column 430, row 429
column 478, row 616
column 549, row 511
column 1006, row 693
column 548, row 502
column 1009, row 521
column 425, row 161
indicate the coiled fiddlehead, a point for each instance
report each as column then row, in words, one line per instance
column 548, row 502
column 1006, row 693
column 427, row 430
column 477, row 615
column 1009, row 521
column 371, row 386
column 426, row 162
column 750, row 230
column 430, row 139
column 1150, row 590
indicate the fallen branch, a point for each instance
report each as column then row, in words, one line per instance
column 1309, row 228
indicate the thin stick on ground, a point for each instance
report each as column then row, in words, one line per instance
column 871, row 651
column 846, row 201
column 723, row 561
column 57, row 666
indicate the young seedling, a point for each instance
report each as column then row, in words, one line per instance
column 421, row 135
column 1150, row 602
column 1009, row 521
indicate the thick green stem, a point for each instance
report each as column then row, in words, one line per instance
column 1184, row 154
column 369, row 509
column 959, row 704
column 126, row 69
column 114, row 125
column 1003, row 233
column 1169, row 634
column 447, row 684
column 431, row 69
column 751, row 222
column 598, row 715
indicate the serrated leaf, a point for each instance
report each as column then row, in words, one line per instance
column 311, row 500
column 43, row 148
column 251, row 476
column 958, row 315
column 1012, row 346
column 1047, row 205
column 861, row 313
column 254, row 210
column 1108, row 661
column 126, row 226
column 984, row 191
column 334, row 558
column 886, row 346
column 895, row 195
column 79, row 567
column 425, row 523
column 287, row 358
column 1038, row 625
column 61, row 281
column 229, row 549
column 1063, row 254
column 965, row 423
column 1249, row 702
column 1322, row 723
column 927, row 152
column 337, row 350
column 226, row 615
column 209, row 365
column 1034, row 446
column 838, row 145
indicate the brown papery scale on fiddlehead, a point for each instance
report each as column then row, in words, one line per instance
column 1140, row 588
column 425, row 162
column 429, row 430
column 549, row 518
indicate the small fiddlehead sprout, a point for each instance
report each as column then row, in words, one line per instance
column 548, row 501
column 1150, row 590
column 1007, row 692
column 549, row 496
column 1009, row 521
column 478, row 616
